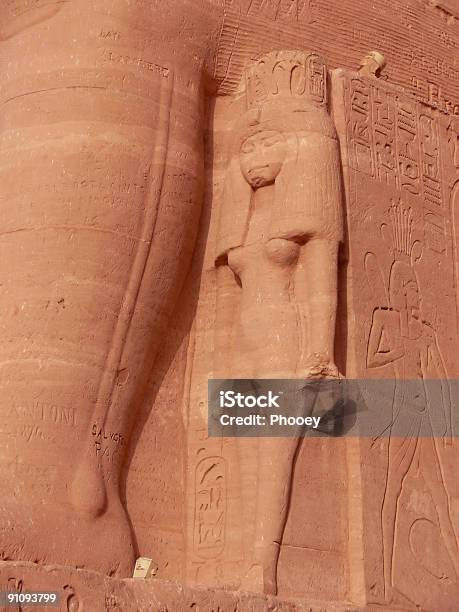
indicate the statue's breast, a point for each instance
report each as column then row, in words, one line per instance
column 263, row 255
column 281, row 252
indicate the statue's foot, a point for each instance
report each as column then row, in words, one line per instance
column 394, row 597
column 257, row 580
column 262, row 574
column 388, row 594
column 60, row 535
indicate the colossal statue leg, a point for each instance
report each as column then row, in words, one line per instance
column 100, row 174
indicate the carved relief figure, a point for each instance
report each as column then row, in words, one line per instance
column 279, row 234
column 399, row 336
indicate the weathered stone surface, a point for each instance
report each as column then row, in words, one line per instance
column 87, row 591
column 221, row 188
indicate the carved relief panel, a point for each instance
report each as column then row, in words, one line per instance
column 400, row 172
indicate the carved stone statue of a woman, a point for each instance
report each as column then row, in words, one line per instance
column 279, row 233
column 281, row 221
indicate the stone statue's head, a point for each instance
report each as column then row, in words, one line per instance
column 278, row 144
column 372, row 63
column 285, row 139
column 404, row 289
column 265, row 147
column 262, row 155
column 282, row 89
column 292, row 147
column 404, row 292
column 405, row 298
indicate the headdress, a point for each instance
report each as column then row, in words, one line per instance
column 287, row 76
column 402, row 230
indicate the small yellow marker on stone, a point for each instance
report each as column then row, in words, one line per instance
column 144, row 568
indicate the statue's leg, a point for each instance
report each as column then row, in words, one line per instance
column 248, row 453
column 316, row 290
column 431, row 470
column 401, row 454
column 227, row 298
column 100, row 197
column 269, row 318
column 275, row 471
column 268, row 335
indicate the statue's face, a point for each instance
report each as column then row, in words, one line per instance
column 262, row 156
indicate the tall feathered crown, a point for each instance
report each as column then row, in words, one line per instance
column 286, row 75
column 402, row 230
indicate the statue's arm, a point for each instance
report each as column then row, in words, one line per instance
column 376, row 356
